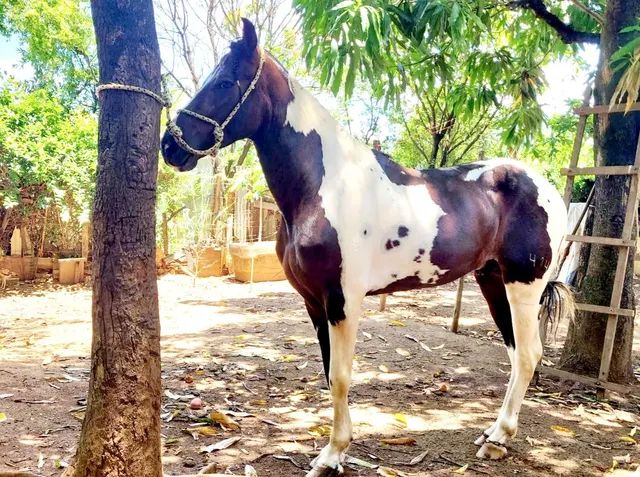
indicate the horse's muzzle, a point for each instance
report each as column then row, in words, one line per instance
column 175, row 156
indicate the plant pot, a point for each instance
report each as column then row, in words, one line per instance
column 71, row 270
column 24, row 267
column 206, row 261
column 256, row 262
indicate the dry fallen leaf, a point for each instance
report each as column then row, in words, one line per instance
column 320, row 431
column 207, row 431
column 419, row 458
column 389, row 472
column 563, row 431
column 288, row 358
column 633, row 431
column 403, row 352
column 628, row 440
column 225, row 421
column 422, row 345
column 400, row 441
column 534, row 442
column 367, row 336
column 303, row 365
column 3, row 416
column 401, row 419
column 462, row 469
column 193, row 432
column 622, row 459
column 249, row 471
column 359, row 462
column 396, row 323
column 384, row 368
column 425, row 347
column 439, row 346
column 289, row 459
column 221, row 445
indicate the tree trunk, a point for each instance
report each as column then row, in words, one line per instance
column 616, row 137
column 121, row 430
column 435, row 148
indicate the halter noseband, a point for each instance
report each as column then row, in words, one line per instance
column 218, row 129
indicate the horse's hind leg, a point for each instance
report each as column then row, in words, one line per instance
column 489, row 278
column 524, row 299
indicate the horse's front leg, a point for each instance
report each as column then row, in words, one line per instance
column 342, row 337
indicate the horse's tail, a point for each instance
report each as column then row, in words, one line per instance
column 557, row 303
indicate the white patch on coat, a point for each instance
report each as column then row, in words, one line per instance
column 357, row 195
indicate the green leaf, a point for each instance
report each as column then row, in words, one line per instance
column 343, row 4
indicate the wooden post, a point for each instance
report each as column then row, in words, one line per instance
column 458, row 307
column 16, row 243
column 165, row 234
column 621, row 269
column 44, row 232
column 85, row 240
column 27, row 245
column 260, row 223
column 577, row 144
column 383, row 302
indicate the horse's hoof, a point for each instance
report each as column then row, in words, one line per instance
column 324, row 471
column 480, row 440
column 328, row 463
column 492, row 451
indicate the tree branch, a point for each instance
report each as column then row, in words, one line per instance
column 567, row 33
column 415, row 143
column 596, row 16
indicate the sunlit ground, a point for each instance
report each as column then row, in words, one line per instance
column 250, row 352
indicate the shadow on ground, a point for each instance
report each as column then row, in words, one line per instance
column 250, row 352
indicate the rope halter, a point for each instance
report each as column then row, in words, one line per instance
column 174, row 129
column 218, row 129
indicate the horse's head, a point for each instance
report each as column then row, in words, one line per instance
column 231, row 105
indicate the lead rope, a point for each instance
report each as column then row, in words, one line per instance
column 174, row 129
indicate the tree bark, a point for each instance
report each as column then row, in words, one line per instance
column 616, row 137
column 435, row 148
column 121, row 431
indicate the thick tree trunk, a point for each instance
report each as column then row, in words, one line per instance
column 121, row 431
column 616, row 141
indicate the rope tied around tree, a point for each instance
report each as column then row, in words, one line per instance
column 174, row 129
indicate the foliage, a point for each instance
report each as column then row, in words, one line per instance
column 551, row 149
column 56, row 38
column 484, row 54
column 463, row 143
column 46, row 146
column 627, row 59
column 581, row 188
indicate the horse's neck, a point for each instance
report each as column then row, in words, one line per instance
column 296, row 151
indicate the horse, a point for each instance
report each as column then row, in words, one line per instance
column 355, row 223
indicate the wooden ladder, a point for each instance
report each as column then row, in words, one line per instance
column 625, row 244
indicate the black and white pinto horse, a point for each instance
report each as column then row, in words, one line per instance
column 355, row 223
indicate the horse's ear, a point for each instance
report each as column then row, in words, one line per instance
column 249, row 36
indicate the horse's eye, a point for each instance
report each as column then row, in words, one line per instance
column 225, row 84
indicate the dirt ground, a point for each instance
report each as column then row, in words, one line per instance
column 249, row 352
